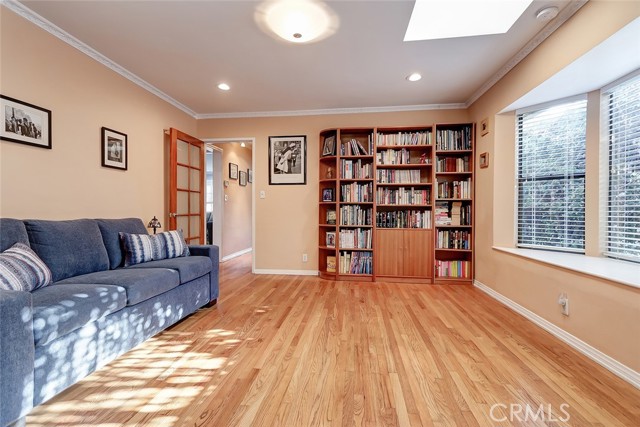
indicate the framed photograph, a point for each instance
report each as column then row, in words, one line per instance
column 327, row 194
column 288, row 160
column 233, row 171
column 250, row 175
column 114, row 149
column 329, row 146
column 331, row 217
column 484, row 160
column 25, row 123
column 243, row 178
column 484, row 127
column 331, row 239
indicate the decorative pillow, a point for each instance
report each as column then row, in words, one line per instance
column 22, row 270
column 139, row 248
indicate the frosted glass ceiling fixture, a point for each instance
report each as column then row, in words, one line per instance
column 297, row 21
column 442, row 19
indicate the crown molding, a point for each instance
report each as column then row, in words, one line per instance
column 329, row 111
column 56, row 31
column 550, row 28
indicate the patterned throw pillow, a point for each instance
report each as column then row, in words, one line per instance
column 139, row 248
column 22, row 270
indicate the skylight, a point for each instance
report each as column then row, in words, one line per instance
column 442, row 19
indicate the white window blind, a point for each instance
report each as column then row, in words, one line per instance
column 551, row 176
column 623, row 194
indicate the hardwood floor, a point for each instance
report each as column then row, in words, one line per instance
column 300, row 351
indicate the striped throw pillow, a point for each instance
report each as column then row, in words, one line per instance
column 174, row 244
column 22, row 270
column 139, row 248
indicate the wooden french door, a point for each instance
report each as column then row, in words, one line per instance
column 186, row 186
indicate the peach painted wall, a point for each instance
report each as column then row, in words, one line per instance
column 68, row 181
column 287, row 218
column 604, row 314
column 236, row 228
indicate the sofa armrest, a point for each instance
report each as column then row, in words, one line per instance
column 212, row 252
column 17, row 350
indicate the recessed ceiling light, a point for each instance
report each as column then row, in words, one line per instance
column 438, row 19
column 224, row 86
column 242, row 144
column 414, row 77
column 297, row 21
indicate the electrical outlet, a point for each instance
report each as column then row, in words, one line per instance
column 304, row 258
column 563, row 301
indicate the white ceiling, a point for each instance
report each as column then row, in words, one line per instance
column 185, row 48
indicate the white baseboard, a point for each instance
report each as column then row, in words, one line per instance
column 623, row 371
column 236, row 254
column 287, row 272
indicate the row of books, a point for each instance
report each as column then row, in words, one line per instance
column 355, row 215
column 356, row 193
column 354, row 147
column 452, row 164
column 453, row 269
column 403, row 196
column 454, row 189
column 356, row 262
column 454, row 239
column 358, row 169
column 404, row 138
column 453, row 139
column 359, row 238
column 404, row 219
column 397, row 176
column 393, row 157
column 453, row 213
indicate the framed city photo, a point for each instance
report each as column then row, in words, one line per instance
column 327, row 194
column 243, row 178
column 233, row 171
column 114, row 149
column 288, row 160
column 25, row 123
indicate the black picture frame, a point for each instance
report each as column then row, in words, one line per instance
column 114, row 148
column 288, row 160
column 25, row 123
column 242, row 179
column 233, row 171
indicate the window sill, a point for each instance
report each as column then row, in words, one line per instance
column 625, row 273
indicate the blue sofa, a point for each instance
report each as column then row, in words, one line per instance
column 95, row 310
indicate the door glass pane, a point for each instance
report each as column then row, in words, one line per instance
column 195, row 156
column 183, row 202
column 195, row 180
column 183, row 152
column 195, row 225
column 183, row 177
column 183, row 224
column 194, row 207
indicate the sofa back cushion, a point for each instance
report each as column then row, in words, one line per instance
column 110, row 229
column 69, row 248
column 12, row 231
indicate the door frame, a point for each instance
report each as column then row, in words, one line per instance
column 250, row 140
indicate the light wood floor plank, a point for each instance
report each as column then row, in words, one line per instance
column 298, row 351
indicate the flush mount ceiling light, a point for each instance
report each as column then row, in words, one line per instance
column 414, row 77
column 224, row 86
column 297, row 21
column 438, row 19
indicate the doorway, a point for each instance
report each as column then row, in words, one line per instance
column 214, row 196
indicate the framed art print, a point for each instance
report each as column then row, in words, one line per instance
column 25, row 123
column 233, row 171
column 288, row 160
column 114, row 149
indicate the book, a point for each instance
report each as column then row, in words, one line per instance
column 331, row 264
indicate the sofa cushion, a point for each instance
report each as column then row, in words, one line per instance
column 140, row 248
column 61, row 309
column 139, row 284
column 109, row 228
column 189, row 268
column 12, row 231
column 22, row 270
column 69, row 248
column 174, row 244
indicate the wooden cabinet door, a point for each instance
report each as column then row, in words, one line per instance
column 418, row 253
column 389, row 252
